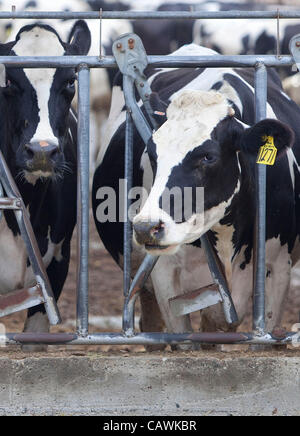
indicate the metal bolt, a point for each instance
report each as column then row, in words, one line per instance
column 297, row 43
column 119, row 46
column 18, row 203
column 131, row 43
column 141, row 85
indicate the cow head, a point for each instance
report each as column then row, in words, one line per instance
column 199, row 145
column 35, row 103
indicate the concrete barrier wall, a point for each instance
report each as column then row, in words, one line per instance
column 138, row 385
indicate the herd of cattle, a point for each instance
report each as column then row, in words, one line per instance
column 207, row 137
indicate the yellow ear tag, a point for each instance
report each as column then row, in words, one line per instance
column 8, row 32
column 267, row 152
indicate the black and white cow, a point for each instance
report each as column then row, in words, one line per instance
column 159, row 36
column 250, row 37
column 208, row 139
column 100, row 94
column 38, row 139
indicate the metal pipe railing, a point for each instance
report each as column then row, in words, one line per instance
column 128, row 176
column 259, row 268
column 214, row 61
column 83, row 196
column 150, row 338
column 151, row 15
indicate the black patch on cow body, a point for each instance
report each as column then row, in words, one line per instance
column 265, row 44
column 245, row 42
column 217, row 86
column 108, row 174
column 219, row 178
column 31, row 4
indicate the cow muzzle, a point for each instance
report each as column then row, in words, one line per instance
column 148, row 232
column 41, row 157
column 150, row 235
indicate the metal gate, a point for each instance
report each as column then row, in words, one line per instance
column 83, row 65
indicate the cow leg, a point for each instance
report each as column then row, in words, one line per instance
column 36, row 322
column 212, row 318
column 37, row 319
column 278, row 276
column 166, row 279
column 151, row 320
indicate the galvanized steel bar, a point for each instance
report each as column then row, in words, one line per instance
column 220, row 280
column 260, row 233
column 136, row 113
column 214, row 61
column 128, row 170
column 150, row 15
column 137, row 285
column 149, row 338
column 83, row 198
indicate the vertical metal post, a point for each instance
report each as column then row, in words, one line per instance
column 128, row 169
column 83, row 195
column 260, row 232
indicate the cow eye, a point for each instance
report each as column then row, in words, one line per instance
column 11, row 88
column 71, row 82
column 208, row 158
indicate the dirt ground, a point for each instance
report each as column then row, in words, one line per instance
column 106, row 299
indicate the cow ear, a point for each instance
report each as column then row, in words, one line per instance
column 6, row 48
column 79, row 41
column 281, row 135
column 159, row 108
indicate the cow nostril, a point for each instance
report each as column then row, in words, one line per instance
column 157, row 229
column 149, row 232
column 53, row 153
column 29, row 152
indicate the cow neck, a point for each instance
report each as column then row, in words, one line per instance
column 241, row 212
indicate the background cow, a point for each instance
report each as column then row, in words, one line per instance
column 38, row 140
column 207, row 141
column 101, row 79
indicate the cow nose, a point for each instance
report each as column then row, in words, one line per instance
column 147, row 232
column 41, row 155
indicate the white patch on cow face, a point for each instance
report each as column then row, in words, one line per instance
column 33, row 177
column 40, row 42
column 192, row 117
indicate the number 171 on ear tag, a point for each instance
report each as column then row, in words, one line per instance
column 267, row 152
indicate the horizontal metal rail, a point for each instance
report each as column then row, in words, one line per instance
column 148, row 338
column 214, row 61
column 151, row 15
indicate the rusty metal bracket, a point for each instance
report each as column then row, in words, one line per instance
column 132, row 60
column 20, row 300
column 294, row 47
column 193, row 301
